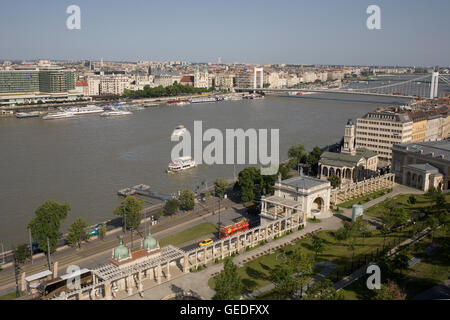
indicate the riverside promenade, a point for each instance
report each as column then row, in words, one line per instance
column 198, row 281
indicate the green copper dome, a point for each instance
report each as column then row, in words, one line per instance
column 121, row 252
column 150, row 243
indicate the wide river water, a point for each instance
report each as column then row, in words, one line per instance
column 86, row 160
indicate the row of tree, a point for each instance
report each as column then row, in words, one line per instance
column 160, row 91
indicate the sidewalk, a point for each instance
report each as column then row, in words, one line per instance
column 198, row 281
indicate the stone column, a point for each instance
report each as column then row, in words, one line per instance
column 168, row 276
column 107, row 288
column 159, row 271
column 204, row 256
column 92, row 294
column 186, row 264
column 221, row 249
column 129, row 282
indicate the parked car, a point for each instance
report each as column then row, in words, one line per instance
column 94, row 231
column 205, row 242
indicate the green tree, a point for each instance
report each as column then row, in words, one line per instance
column 228, row 282
column 318, row 244
column 282, row 276
column 220, row 187
column 21, row 254
column 432, row 222
column 297, row 154
column 313, row 158
column 207, row 195
column 302, row 262
column 439, row 201
column 323, row 290
column 390, row 291
column 102, row 231
column 187, row 200
column 159, row 213
column 77, row 232
column 412, row 200
column 46, row 223
column 284, row 170
column 131, row 210
column 335, row 181
column 171, row 207
column 400, row 262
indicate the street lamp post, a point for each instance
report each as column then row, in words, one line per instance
column 31, row 245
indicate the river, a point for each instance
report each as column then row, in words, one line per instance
column 86, row 160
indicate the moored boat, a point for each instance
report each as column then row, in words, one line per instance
column 181, row 164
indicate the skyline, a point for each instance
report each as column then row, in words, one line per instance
column 324, row 33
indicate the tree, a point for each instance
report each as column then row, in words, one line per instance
column 297, row 154
column 159, row 213
column 171, row 207
column 45, row 225
column 440, row 201
column 102, row 231
column 323, row 290
column 400, row 262
column 228, row 282
column 220, row 186
column 302, row 263
column 187, row 200
column 21, row 254
column 432, row 222
column 77, row 232
column 318, row 244
column 390, row 291
column 313, row 158
column 131, row 210
column 207, row 195
column 335, row 181
column 412, row 200
column 284, row 170
column 282, row 276
column 344, row 232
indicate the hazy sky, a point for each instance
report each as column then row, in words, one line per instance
column 414, row 32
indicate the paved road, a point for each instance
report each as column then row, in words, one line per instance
column 95, row 253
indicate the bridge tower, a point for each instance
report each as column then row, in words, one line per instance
column 255, row 71
column 434, row 84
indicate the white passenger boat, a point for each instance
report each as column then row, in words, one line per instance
column 27, row 114
column 181, row 164
column 58, row 115
column 202, row 100
column 89, row 109
column 179, row 131
column 114, row 113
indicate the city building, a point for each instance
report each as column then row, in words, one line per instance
column 419, row 126
column 351, row 164
column 422, row 164
column 36, row 80
column 303, row 194
column 201, row 79
column 434, row 128
column 379, row 131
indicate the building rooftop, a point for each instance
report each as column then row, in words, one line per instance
column 304, row 182
column 346, row 159
column 425, row 167
column 438, row 149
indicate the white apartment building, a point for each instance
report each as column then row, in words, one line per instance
column 379, row 131
column 225, row 81
column 309, row 77
column 434, row 128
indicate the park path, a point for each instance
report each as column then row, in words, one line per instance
column 198, row 281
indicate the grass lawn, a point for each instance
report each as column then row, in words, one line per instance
column 422, row 203
column 363, row 199
column 190, row 234
column 255, row 274
column 11, row 296
column 430, row 271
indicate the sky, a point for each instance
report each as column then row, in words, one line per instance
column 413, row 32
